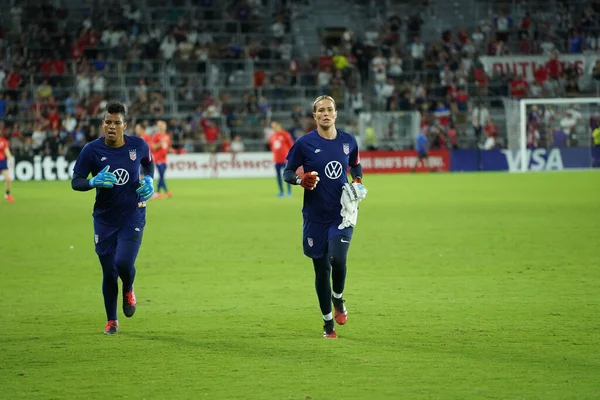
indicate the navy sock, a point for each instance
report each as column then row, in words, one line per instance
column 322, row 283
column 110, row 286
column 338, row 251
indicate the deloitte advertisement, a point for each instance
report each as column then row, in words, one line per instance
column 40, row 168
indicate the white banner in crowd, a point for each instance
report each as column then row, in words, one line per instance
column 525, row 65
column 220, row 165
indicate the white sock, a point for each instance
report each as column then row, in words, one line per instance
column 328, row 317
column 337, row 295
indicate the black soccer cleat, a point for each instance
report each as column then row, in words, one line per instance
column 129, row 303
column 111, row 328
column 340, row 314
column 329, row 330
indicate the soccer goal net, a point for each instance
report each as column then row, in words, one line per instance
column 551, row 134
column 392, row 130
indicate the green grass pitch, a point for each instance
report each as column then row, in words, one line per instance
column 460, row 286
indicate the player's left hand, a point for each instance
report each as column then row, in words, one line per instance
column 356, row 191
column 146, row 190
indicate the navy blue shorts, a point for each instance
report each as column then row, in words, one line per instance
column 108, row 238
column 316, row 236
column 3, row 164
column 422, row 155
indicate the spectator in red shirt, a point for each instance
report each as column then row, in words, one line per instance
column 526, row 44
column 225, row 145
column 46, row 67
column 451, row 93
column 325, row 61
column 58, row 67
column 38, row 108
column 13, row 82
column 525, row 24
column 453, row 137
column 16, row 131
column 554, row 67
column 211, row 134
column 491, row 130
column 77, row 49
column 540, row 74
column 482, row 80
column 519, row 87
column 463, row 36
column 462, row 100
column 53, row 118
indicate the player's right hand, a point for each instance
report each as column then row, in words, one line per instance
column 309, row 180
column 104, row 179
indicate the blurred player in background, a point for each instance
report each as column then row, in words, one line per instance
column 5, row 158
column 280, row 143
column 422, row 150
column 141, row 133
column 161, row 145
column 325, row 155
column 114, row 161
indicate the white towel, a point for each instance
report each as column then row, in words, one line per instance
column 352, row 194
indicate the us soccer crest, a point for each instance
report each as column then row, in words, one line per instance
column 310, row 242
column 346, row 148
column 132, row 154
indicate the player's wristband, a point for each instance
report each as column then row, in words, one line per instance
column 298, row 180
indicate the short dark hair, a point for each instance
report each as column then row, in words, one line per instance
column 116, row 108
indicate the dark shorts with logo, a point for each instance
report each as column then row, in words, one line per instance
column 316, row 236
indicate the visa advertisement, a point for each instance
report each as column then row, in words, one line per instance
column 553, row 159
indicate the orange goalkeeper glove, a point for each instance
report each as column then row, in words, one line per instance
column 308, row 180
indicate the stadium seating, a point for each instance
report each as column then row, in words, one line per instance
column 242, row 63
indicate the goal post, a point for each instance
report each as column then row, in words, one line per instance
column 542, row 121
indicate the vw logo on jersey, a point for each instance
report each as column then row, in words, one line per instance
column 333, row 169
column 122, row 176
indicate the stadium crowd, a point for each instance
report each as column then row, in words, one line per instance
column 444, row 79
column 59, row 67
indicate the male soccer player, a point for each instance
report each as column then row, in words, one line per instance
column 325, row 154
column 422, row 150
column 161, row 144
column 119, row 211
column 280, row 142
column 5, row 158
